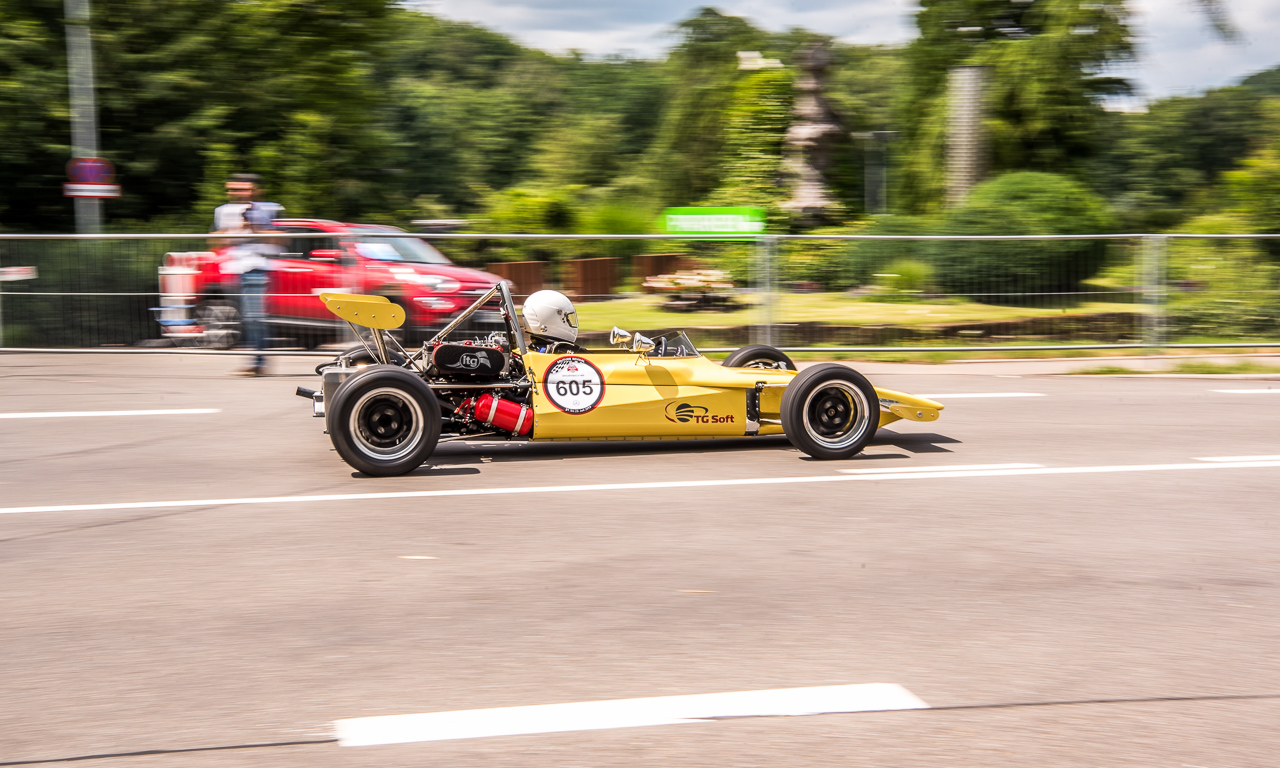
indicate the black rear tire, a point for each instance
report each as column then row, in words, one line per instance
column 758, row 356
column 358, row 355
column 384, row 421
column 830, row 411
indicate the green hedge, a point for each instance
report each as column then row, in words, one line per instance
column 1022, row 203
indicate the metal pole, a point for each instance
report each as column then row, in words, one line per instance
column 875, row 172
column 84, row 111
column 884, row 169
column 1162, row 290
column 755, row 278
column 1153, row 283
column 769, row 252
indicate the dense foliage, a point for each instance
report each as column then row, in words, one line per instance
column 368, row 110
column 1023, row 203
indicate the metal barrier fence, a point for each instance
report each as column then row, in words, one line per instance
column 96, row 292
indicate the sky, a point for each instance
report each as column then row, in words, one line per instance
column 1179, row 54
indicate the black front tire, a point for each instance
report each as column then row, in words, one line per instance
column 758, row 356
column 830, row 411
column 384, row 421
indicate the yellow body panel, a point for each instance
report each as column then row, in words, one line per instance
column 648, row 397
column 666, row 398
column 370, row 311
column 899, row 405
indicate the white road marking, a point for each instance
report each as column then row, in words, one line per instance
column 982, row 394
column 1275, row 391
column 623, row 713
column 953, row 468
column 1239, row 458
column 925, row 474
column 74, row 414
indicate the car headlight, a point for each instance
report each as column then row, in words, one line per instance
column 435, row 283
column 434, row 304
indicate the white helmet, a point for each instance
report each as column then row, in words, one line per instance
column 550, row 314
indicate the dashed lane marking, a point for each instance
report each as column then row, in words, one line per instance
column 959, row 395
column 623, row 713
column 1275, row 391
column 940, row 473
column 931, row 473
column 76, row 414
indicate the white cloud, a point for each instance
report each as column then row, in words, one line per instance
column 1180, row 54
column 1178, row 51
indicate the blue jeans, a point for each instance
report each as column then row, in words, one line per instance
column 253, row 312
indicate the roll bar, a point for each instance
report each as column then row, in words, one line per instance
column 508, row 315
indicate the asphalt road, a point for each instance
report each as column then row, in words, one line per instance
column 1123, row 613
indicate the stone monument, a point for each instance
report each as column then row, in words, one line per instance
column 810, row 144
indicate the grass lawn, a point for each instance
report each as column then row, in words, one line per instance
column 646, row 313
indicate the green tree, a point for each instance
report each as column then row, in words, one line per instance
column 35, row 132
column 1266, row 82
column 755, row 125
column 704, row 67
column 1048, row 65
column 1161, row 165
column 176, row 76
column 579, row 149
column 1255, row 186
column 632, row 89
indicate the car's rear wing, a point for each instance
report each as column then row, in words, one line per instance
column 379, row 314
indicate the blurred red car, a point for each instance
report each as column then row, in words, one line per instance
column 407, row 270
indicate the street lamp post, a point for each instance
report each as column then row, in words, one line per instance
column 84, row 110
column 876, row 171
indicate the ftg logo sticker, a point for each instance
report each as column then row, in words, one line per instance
column 470, row 361
column 574, row 385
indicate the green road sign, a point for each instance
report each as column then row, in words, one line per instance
column 713, row 221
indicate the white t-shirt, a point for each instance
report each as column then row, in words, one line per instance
column 230, row 217
column 245, row 254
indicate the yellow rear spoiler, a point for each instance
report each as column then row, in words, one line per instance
column 375, row 312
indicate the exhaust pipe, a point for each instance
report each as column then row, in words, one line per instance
column 316, row 398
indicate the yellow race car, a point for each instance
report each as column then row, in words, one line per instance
column 386, row 408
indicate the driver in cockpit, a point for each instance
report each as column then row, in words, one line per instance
column 552, row 323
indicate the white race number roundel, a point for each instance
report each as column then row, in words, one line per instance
column 573, row 385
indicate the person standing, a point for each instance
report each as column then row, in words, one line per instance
column 228, row 219
column 249, row 258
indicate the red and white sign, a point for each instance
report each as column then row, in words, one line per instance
column 90, row 177
column 18, row 273
column 90, row 190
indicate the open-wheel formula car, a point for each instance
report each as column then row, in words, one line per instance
column 386, row 408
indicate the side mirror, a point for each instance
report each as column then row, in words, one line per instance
column 331, row 255
column 642, row 344
column 619, row 337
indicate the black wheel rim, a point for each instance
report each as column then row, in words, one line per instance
column 387, row 424
column 836, row 415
